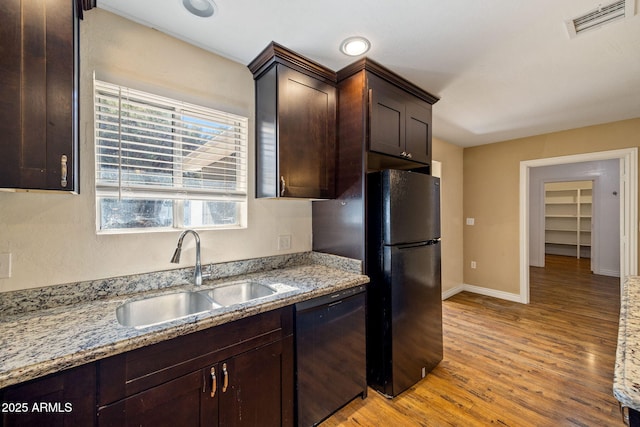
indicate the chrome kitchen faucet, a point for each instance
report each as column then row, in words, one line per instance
column 175, row 259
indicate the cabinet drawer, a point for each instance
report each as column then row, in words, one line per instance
column 176, row 403
column 132, row 372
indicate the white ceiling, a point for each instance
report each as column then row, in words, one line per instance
column 503, row 68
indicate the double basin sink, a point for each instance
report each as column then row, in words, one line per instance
column 166, row 308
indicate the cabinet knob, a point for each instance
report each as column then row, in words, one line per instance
column 225, row 378
column 406, row 155
column 283, row 185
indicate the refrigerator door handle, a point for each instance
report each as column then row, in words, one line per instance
column 417, row 244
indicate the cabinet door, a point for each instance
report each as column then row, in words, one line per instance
column 259, row 387
column 399, row 122
column 307, row 135
column 175, row 403
column 64, row 399
column 37, row 94
column 418, row 131
column 386, row 119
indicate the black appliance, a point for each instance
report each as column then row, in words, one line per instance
column 330, row 354
column 404, row 306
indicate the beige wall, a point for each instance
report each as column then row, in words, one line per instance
column 451, row 212
column 52, row 237
column 491, row 194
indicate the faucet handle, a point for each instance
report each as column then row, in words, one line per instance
column 209, row 273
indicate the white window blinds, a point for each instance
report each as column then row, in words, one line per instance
column 151, row 147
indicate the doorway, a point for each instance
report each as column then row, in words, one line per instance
column 565, row 201
column 628, row 208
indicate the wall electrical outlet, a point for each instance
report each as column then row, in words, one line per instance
column 284, row 242
column 471, row 221
column 5, row 266
column 473, row 264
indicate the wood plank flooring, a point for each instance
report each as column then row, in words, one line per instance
column 548, row 363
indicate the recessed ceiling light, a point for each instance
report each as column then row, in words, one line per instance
column 201, row 8
column 354, row 46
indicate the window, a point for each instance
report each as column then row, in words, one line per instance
column 162, row 163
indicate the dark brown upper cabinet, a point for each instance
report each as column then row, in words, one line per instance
column 398, row 114
column 295, row 125
column 400, row 124
column 38, row 95
column 380, row 116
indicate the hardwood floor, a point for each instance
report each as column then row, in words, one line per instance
column 548, row 363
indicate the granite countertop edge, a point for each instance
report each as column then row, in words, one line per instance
column 626, row 379
column 43, row 342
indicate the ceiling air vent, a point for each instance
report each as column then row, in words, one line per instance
column 600, row 16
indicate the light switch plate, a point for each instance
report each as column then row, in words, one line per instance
column 5, row 266
column 471, row 221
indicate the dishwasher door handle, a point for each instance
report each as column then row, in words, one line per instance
column 335, row 303
column 328, row 300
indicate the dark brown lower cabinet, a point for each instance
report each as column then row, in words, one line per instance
column 256, row 392
column 245, row 390
column 64, row 399
column 238, row 374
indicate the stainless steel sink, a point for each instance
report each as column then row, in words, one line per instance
column 163, row 308
column 238, row 292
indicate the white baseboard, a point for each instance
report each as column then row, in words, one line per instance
column 612, row 273
column 451, row 292
column 482, row 291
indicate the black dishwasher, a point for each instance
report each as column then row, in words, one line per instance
column 330, row 354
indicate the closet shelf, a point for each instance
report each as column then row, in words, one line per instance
column 568, row 218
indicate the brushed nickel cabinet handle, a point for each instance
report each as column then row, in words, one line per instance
column 225, row 376
column 63, row 170
column 283, row 185
column 214, row 382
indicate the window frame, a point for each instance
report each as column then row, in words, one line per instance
column 177, row 192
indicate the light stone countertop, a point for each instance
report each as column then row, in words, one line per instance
column 626, row 378
column 37, row 342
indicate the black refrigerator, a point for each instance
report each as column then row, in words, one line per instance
column 404, row 317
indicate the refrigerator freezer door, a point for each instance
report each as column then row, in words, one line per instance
column 416, row 313
column 410, row 207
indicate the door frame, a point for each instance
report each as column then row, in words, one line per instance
column 628, row 209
